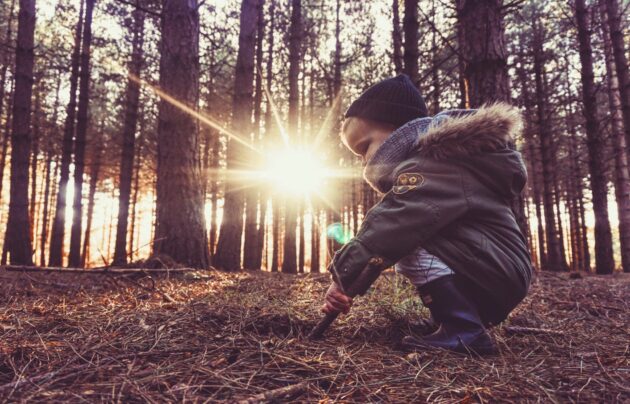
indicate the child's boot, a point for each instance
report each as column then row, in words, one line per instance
column 461, row 329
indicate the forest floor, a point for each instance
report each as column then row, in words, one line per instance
column 226, row 337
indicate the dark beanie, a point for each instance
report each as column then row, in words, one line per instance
column 395, row 100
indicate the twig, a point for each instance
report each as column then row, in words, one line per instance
column 530, row 330
column 275, row 394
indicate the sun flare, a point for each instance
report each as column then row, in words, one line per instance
column 295, row 172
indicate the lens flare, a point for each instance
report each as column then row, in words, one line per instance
column 337, row 232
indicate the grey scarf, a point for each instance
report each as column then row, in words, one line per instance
column 379, row 170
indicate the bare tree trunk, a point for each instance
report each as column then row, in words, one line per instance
column 34, row 156
column 18, row 227
column 396, row 38
column 180, row 224
column 555, row 260
column 621, row 65
column 44, row 233
column 129, row 136
column 410, row 28
column 74, row 258
column 6, row 138
column 136, row 189
column 96, row 167
column 622, row 172
column 214, row 213
column 484, row 53
column 254, row 220
column 3, row 77
column 604, row 262
column 228, row 254
column 59, row 222
column 295, row 39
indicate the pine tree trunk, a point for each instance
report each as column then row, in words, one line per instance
column 3, row 81
column 554, row 261
column 214, row 199
column 180, row 224
column 396, row 38
column 96, row 167
column 622, row 172
column 34, row 157
column 228, row 254
column 289, row 260
column 129, row 135
column 59, row 221
column 621, row 64
column 134, row 197
column 18, row 240
column 484, row 53
column 6, row 138
column 44, row 232
column 604, row 263
column 74, row 258
column 252, row 199
column 410, row 28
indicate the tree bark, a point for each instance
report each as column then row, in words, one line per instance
column 554, row 259
column 59, row 221
column 96, row 168
column 604, row 263
column 18, row 227
column 621, row 64
column 34, row 157
column 129, row 137
column 44, row 233
column 295, row 40
column 622, row 172
column 180, row 224
column 410, row 28
column 228, row 254
column 396, row 38
column 3, row 81
column 74, row 258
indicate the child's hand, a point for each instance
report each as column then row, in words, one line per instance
column 336, row 301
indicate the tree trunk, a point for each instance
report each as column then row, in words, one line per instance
column 136, row 191
column 410, row 28
column 622, row 172
column 44, row 234
column 295, row 40
column 396, row 38
column 59, row 221
column 34, row 156
column 6, row 138
column 604, row 262
column 74, row 259
column 484, row 54
column 129, row 136
column 180, row 225
column 621, row 64
column 228, row 254
column 554, row 258
column 96, row 167
column 18, row 227
column 3, row 80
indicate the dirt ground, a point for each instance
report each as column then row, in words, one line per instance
column 212, row 336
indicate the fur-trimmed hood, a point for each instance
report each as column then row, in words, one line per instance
column 491, row 127
column 479, row 140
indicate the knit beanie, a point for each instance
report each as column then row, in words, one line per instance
column 395, row 100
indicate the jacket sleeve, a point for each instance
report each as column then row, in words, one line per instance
column 404, row 218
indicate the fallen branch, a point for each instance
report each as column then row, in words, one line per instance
column 530, row 330
column 275, row 394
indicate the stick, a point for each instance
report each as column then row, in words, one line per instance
column 530, row 330
column 276, row 394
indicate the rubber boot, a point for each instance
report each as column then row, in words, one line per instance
column 461, row 329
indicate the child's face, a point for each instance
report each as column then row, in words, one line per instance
column 364, row 137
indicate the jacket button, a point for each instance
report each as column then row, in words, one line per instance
column 345, row 270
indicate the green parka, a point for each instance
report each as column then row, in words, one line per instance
column 452, row 197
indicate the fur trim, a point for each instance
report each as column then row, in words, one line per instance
column 491, row 128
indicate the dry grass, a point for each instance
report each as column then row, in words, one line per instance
column 231, row 336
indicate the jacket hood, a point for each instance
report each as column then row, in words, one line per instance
column 481, row 141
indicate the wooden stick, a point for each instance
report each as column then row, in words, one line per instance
column 530, row 330
column 275, row 394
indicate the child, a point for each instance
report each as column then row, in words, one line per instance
column 445, row 218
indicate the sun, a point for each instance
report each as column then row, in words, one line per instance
column 295, row 172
